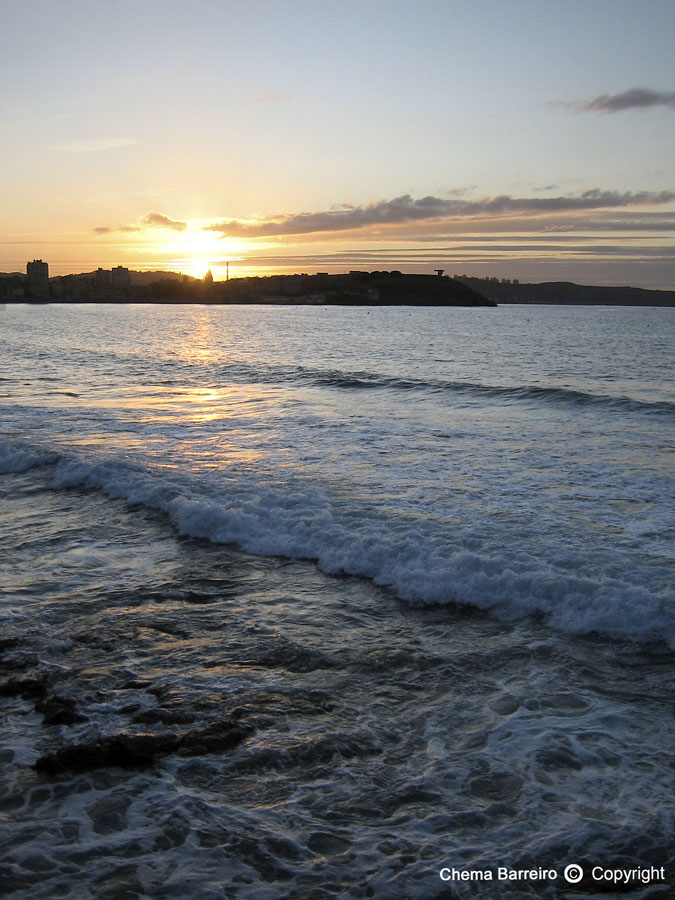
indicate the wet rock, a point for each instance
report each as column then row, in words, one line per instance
column 91, row 639
column 18, row 663
column 496, row 786
column 58, row 711
column 165, row 716
column 160, row 691
column 38, row 862
column 558, row 758
column 8, row 644
column 325, row 843
column 39, row 797
column 135, row 684
column 505, row 705
column 108, row 815
column 123, row 883
column 309, row 752
column 70, row 831
column 27, row 688
column 138, row 751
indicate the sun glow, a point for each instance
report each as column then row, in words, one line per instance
column 194, row 251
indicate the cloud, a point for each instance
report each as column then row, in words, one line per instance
column 634, row 98
column 96, row 145
column 405, row 209
column 151, row 220
column 157, row 220
column 108, row 229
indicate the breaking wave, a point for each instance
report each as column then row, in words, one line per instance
column 423, row 563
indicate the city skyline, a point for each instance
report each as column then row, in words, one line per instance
column 530, row 141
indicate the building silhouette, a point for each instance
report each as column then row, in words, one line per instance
column 120, row 278
column 37, row 273
column 102, row 279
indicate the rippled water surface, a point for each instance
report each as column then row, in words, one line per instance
column 419, row 563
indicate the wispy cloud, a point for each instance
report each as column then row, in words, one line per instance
column 96, row 145
column 157, row 220
column 150, row 220
column 633, row 98
column 405, row 209
column 109, row 229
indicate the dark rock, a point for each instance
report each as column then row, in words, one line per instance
column 139, row 751
column 496, row 786
column 165, row 716
column 109, row 814
column 8, row 644
column 27, row 688
column 159, row 691
column 58, row 711
column 19, row 663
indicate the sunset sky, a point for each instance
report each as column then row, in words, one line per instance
column 526, row 139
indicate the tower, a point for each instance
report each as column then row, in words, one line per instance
column 37, row 273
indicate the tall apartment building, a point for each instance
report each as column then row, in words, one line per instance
column 120, row 277
column 37, row 273
column 102, row 278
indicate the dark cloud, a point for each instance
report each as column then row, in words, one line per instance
column 634, row 98
column 404, row 210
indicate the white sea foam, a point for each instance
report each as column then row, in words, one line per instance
column 21, row 458
column 420, row 562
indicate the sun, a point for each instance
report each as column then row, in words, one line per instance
column 195, row 251
column 197, row 267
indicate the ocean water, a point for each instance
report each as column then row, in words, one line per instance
column 422, row 557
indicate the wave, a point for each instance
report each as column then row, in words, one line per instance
column 371, row 381
column 20, row 457
column 182, row 373
column 509, row 393
column 420, row 563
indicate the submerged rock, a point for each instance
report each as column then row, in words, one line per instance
column 8, row 644
column 58, row 711
column 138, row 751
column 27, row 688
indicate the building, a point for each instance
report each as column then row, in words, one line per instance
column 102, row 279
column 37, row 273
column 120, row 278
column 11, row 287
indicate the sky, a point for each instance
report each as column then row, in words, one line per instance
column 529, row 139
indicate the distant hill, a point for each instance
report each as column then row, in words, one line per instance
column 145, row 278
column 567, row 293
column 140, row 278
column 353, row 289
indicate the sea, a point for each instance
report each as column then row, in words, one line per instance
column 417, row 561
